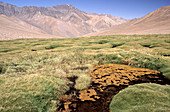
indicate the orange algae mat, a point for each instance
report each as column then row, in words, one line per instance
column 112, row 74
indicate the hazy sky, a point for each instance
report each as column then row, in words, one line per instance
column 127, row 9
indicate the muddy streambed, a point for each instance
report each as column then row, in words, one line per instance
column 107, row 81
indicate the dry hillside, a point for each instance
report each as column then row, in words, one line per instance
column 156, row 22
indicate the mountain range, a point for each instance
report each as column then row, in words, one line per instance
column 67, row 21
column 156, row 22
column 56, row 21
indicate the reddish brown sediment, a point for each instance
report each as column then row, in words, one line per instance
column 107, row 81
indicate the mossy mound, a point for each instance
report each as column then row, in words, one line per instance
column 146, row 97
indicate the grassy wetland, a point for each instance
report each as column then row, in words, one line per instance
column 34, row 72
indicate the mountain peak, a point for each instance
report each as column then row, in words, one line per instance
column 64, row 6
column 6, row 4
column 69, row 5
column 165, row 7
column 2, row 3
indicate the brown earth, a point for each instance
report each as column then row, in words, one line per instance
column 107, row 81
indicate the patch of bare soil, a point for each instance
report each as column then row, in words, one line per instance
column 107, row 81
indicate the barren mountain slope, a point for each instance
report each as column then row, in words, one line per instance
column 11, row 28
column 61, row 20
column 156, row 22
column 103, row 21
column 59, row 27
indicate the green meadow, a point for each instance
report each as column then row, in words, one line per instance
column 33, row 72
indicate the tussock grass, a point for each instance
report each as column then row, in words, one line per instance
column 95, row 42
column 94, row 48
column 82, row 82
column 167, row 41
column 55, row 46
column 37, row 44
column 2, row 69
column 8, row 50
column 149, row 45
column 31, row 93
column 17, row 42
column 90, row 43
column 113, row 45
column 103, row 41
column 37, row 81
